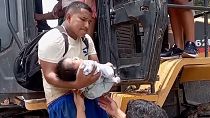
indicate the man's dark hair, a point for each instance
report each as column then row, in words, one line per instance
column 76, row 7
column 144, row 109
column 66, row 72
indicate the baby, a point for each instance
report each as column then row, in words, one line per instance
column 67, row 69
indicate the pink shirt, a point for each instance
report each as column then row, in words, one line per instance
column 92, row 6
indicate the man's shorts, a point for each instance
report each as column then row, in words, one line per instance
column 64, row 107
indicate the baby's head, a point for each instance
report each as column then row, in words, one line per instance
column 67, row 69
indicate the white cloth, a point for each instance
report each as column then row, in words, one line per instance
column 51, row 48
column 103, row 84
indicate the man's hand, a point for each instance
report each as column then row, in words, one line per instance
column 85, row 80
column 110, row 106
column 57, row 10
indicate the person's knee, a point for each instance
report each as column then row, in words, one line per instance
column 171, row 10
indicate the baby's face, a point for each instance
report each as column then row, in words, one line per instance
column 75, row 63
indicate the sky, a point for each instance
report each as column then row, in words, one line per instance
column 47, row 7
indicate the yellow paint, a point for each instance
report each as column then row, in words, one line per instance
column 122, row 99
column 35, row 104
column 195, row 73
column 168, row 72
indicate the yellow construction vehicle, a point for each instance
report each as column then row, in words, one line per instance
column 181, row 85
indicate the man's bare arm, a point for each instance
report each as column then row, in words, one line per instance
column 49, row 71
column 57, row 10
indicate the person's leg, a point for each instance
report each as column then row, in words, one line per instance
column 187, row 23
column 175, row 51
column 176, row 27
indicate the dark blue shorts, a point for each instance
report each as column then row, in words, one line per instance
column 64, row 107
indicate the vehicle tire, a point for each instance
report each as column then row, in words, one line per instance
column 144, row 109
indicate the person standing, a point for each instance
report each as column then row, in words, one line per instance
column 60, row 7
column 51, row 48
column 182, row 22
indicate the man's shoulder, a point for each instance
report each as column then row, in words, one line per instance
column 88, row 38
column 53, row 35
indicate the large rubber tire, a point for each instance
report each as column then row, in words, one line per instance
column 144, row 109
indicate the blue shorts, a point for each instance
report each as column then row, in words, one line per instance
column 64, row 107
